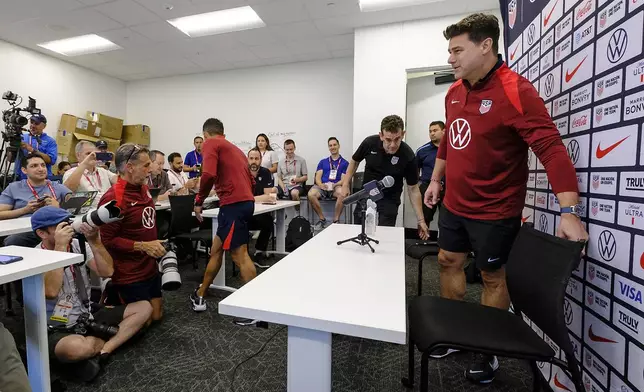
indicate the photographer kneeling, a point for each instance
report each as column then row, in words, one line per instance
column 81, row 332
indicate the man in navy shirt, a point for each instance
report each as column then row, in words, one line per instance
column 329, row 178
column 264, row 192
column 192, row 163
column 426, row 156
column 39, row 143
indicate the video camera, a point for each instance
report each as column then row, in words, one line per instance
column 14, row 119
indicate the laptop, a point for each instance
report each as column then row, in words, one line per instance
column 79, row 203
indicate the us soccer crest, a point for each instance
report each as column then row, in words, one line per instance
column 394, row 160
column 602, row 19
column 594, row 207
column 485, row 107
column 591, row 298
column 600, row 88
column 599, row 114
column 512, row 13
column 595, row 181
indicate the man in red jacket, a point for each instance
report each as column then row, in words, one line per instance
column 225, row 166
column 132, row 242
column 493, row 116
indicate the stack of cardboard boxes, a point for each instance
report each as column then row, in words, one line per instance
column 95, row 127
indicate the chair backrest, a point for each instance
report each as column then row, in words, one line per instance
column 357, row 181
column 538, row 270
column 182, row 220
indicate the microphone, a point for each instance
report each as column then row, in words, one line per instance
column 371, row 190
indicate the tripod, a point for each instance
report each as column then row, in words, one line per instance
column 362, row 238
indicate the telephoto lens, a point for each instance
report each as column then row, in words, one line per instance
column 107, row 213
column 169, row 268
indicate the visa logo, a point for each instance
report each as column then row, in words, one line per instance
column 630, row 292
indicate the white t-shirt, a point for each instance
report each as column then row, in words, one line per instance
column 100, row 180
column 178, row 180
column 269, row 158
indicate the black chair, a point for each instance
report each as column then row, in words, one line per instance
column 356, row 185
column 183, row 223
column 538, row 270
column 420, row 250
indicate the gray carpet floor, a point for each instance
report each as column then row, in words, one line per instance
column 197, row 352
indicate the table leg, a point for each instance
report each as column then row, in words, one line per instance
column 220, row 280
column 280, row 230
column 35, row 310
column 309, row 360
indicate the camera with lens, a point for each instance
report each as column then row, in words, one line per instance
column 14, row 119
column 107, row 213
column 86, row 326
column 169, row 268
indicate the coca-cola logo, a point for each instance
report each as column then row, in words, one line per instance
column 584, row 10
column 580, row 122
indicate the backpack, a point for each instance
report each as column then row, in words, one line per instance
column 298, row 232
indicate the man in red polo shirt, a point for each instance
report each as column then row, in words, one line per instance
column 225, row 166
column 493, row 116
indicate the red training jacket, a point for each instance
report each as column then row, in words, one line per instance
column 488, row 130
column 138, row 224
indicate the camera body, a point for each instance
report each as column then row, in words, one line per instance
column 14, row 119
column 85, row 326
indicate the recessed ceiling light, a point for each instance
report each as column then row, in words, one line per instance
column 218, row 22
column 84, row 44
column 379, row 5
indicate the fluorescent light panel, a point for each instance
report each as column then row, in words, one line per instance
column 380, row 5
column 77, row 46
column 218, row 22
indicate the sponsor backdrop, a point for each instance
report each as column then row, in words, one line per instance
column 585, row 58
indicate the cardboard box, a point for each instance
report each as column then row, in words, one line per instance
column 138, row 134
column 112, row 127
column 71, row 123
column 67, row 142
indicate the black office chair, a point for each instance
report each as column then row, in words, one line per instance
column 356, row 185
column 420, row 250
column 538, row 270
column 182, row 223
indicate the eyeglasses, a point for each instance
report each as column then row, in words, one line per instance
column 134, row 149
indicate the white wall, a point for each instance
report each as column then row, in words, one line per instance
column 382, row 56
column 425, row 103
column 307, row 101
column 58, row 87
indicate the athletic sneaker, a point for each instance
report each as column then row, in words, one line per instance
column 442, row 352
column 483, row 372
column 322, row 223
column 258, row 259
column 198, row 303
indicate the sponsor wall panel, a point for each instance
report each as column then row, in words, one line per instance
column 587, row 63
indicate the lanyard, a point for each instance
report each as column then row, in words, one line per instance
column 51, row 189
column 150, row 182
column 196, row 157
column 98, row 180
column 179, row 177
column 31, row 141
column 337, row 163
column 294, row 167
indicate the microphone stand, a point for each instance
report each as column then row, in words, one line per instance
column 362, row 239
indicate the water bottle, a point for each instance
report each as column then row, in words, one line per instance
column 370, row 218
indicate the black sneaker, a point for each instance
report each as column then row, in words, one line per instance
column 244, row 322
column 88, row 369
column 442, row 352
column 483, row 372
column 258, row 260
column 198, row 303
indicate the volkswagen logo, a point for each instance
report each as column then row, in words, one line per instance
column 549, row 85
column 607, row 245
column 543, row 223
column 568, row 313
column 617, row 44
column 531, row 31
column 573, row 151
column 460, row 134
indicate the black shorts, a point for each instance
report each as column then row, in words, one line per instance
column 233, row 221
column 123, row 294
column 387, row 212
column 108, row 315
column 490, row 240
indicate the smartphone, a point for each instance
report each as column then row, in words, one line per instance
column 104, row 156
column 6, row 259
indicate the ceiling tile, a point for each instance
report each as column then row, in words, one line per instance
column 255, row 37
column 17, row 10
column 300, row 30
column 209, row 61
column 320, row 9
column 188, row 7
column 280, row 60
column 127, row 12
column 248, row 63
column 340, row 42
column 94, row 2
column 159, row 31
column 281, row 11
column 342, row 53
column 137, row 76
column 125, row 37
column 313, row 56
column 219, row 42
column 306, row 47
column 337, row 25
column 270, row 51
column 238, row 55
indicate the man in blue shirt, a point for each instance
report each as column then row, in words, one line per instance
column 23, row 198
column 192, row 163
column 329, row 178
column 39, row 143
column 426, row 157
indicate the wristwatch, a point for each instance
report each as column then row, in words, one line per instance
column 575, row 210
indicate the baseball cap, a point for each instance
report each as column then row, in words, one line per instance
column 38, row 118
column 101, row 144
column 48, row 216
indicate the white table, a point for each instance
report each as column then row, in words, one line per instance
column 35, row 263
column 323, row 288
column 280, row 233
column 165, row 204
column 15, row 226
